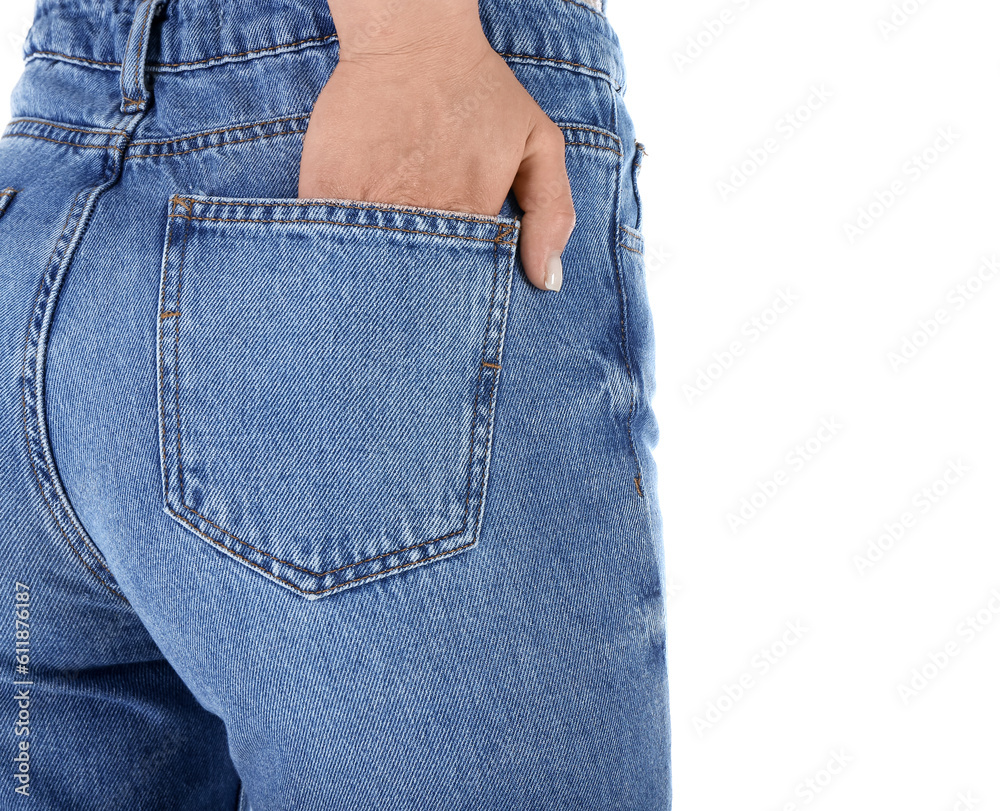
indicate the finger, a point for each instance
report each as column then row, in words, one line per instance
column 543, row 192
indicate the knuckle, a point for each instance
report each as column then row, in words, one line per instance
column 555, row 196
column 551, row 139
column 565, row 218
column 557, row 142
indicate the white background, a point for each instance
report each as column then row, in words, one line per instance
column 714, row 262
column 802, row 654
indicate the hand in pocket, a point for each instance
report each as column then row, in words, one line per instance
column 443, row 124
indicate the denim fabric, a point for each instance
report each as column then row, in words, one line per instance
column 316, row 504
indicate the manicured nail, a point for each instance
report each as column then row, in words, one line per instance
column 553, row 273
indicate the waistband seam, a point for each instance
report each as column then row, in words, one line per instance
column 574, row 134
column 565, row 64
column 593, row 6
column 294, row 47
column 159, row 67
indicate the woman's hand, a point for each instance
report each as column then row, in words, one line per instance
column 421, row 111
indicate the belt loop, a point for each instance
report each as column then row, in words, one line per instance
column 135, row 94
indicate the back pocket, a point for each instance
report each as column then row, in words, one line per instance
column 327, row 382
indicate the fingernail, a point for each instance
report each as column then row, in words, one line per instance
column 553, row 272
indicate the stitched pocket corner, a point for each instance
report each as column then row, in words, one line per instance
column 6, row 196
column 327, row 382
column 631, row 241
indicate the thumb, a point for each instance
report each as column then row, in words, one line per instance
column 541, row 186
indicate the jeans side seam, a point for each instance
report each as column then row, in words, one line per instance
column 623, row 317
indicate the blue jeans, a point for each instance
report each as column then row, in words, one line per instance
column 316, row 504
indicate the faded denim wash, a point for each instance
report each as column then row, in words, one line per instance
column 316, row 504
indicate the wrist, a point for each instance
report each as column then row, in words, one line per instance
column 408, row 33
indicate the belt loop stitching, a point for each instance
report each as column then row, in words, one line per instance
column 135, row 93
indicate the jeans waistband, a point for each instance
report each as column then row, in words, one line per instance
column 197, row 34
